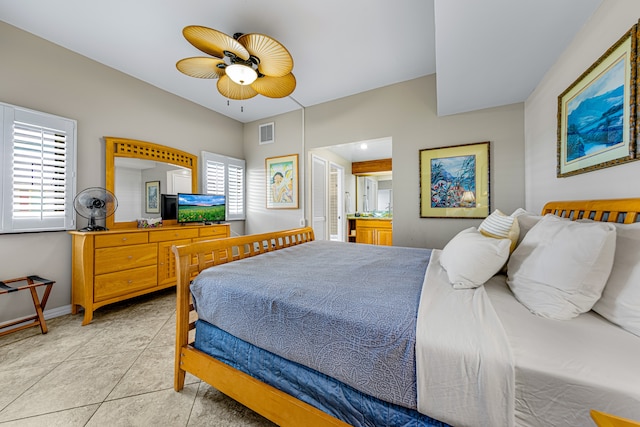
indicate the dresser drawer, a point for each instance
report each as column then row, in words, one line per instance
column 214, row 232
column 109, row 240
column 165, row 235
column 112, row 285
column 125, row 257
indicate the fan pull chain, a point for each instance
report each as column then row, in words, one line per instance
column 241, row 97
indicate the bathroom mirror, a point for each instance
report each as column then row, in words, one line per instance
column 374, row 193
column 374, row 190
column 131, row 165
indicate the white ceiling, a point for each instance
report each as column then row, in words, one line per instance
column 360, row 151
column 486, row 53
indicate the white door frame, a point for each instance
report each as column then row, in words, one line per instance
column 338, row 170
column 319, row 198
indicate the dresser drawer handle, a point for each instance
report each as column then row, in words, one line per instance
column 130, row 257
column 130, row 281
column 124, row 239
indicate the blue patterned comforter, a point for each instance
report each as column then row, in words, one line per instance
column 346, row 310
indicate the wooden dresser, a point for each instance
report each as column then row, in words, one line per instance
column 115, row 265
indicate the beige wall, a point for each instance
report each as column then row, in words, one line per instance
column 606, row 26
column 288, row 140
column 39, row 75
column 42, row 76
column 406, row 112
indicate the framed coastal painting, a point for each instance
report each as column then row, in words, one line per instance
column 152, row 197
column 454, row 181
column 597, row 113
column 282, row 182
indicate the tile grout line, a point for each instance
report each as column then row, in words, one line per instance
column 162, row 334
column 52, row 412
column 29, row 388
column 106, row 398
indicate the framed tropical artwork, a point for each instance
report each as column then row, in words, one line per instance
column 282, row 182
column 152, row 197
column 597, row 113
column 454, row 181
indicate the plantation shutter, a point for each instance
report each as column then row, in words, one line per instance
column 235, row 200
column 39, row 171
column 226, row 175
column 215, row 177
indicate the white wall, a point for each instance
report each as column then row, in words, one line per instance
column 606, row 26
column 42, row 76
column 406, row 112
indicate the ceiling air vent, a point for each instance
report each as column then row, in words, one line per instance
column 266, row 133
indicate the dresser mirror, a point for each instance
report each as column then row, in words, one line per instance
column 134, row 166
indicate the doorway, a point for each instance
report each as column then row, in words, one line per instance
column 319, row 197
column 336, row 202
column 327, row 199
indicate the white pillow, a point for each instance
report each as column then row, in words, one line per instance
column 561, row 266
column 526, row 221
column 470, row 259
column 501, row 226
column 620, row 301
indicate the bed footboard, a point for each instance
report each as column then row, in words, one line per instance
column 193, row 258
column 262, row 398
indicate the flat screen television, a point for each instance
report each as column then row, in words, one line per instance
column 207, row 208
column 169, row 206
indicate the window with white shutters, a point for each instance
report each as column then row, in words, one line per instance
column 37, row 182
column 225, row 175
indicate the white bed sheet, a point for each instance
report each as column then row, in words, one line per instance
column 464, row 366
column 565, row 368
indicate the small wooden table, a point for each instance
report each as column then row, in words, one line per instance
column 31, row 283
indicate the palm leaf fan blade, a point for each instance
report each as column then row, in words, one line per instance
column 275, row 87
column 229, row 89
column 275, row 59
column 213, row 42
column 201, row 67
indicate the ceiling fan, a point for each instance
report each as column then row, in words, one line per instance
column 245, row 65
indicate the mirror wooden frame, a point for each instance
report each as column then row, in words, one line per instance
column 134, row 149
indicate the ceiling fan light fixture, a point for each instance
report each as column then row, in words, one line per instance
column 245, row 65
column 241, row 74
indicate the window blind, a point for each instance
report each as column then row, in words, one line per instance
column 38, row 171
column 235, row 203
column 215, row 177
column 226, row 175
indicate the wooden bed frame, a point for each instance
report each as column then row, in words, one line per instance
column 266, row 400
column 612, row 210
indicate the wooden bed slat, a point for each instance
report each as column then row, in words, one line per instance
column 613, row 210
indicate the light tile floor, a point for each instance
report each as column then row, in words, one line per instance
column 116, row 371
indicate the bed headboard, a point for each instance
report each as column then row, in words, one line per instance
column 608, row 210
